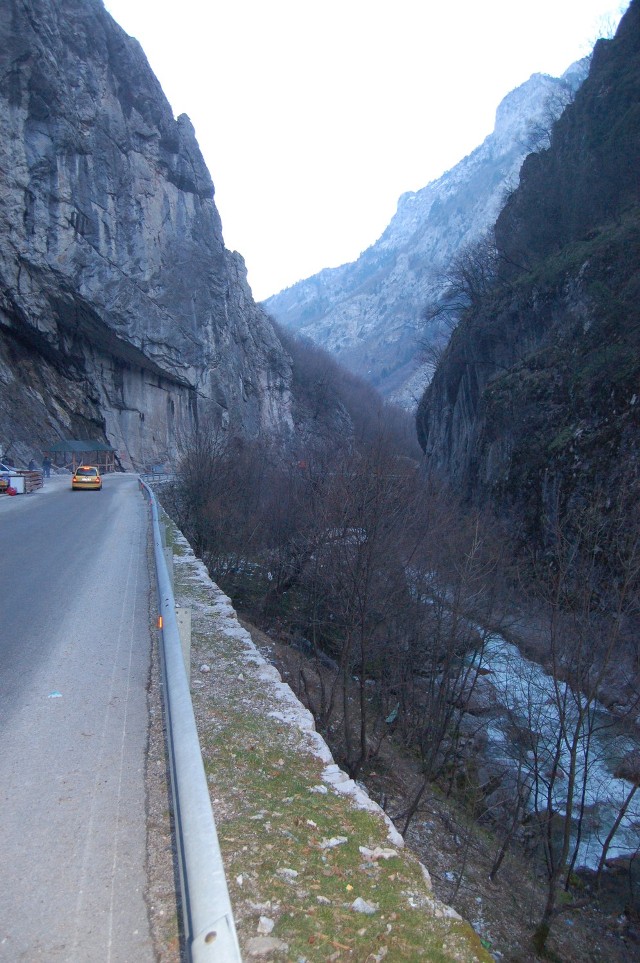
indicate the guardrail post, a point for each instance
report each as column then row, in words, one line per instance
column 183, row 617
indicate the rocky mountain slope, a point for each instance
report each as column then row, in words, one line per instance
column 538, row 395
column 122, row 315
column 369, row 313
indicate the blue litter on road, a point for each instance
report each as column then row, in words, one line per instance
column 54, row 695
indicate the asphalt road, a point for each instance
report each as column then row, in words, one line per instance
column 74, row 664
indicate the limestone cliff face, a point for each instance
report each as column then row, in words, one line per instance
column 122, row 315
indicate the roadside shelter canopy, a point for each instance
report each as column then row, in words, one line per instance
column 73, row 452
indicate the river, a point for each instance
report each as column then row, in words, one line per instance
column 535, row 718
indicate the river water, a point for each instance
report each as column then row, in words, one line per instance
column 535, row 716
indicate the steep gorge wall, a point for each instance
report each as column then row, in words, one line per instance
column 538, row 394
column 122, row 315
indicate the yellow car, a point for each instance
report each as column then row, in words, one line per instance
column 87, row 477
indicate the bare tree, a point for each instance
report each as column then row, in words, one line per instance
column 200, row 473
column 472, row 273
column 539, row 131
column 455, row 593
column 464, row 284
column 589, row 584
column 358, row 586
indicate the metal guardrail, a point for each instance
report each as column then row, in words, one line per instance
column 157, row 477
column 209, row 926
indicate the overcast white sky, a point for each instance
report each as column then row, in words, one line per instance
column 314, row 116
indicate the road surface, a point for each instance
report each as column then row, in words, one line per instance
column 74, row 664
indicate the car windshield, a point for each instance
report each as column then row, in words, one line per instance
column 87, row 471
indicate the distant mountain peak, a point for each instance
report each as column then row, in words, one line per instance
column 368, row 313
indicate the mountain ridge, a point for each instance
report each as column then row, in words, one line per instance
column 369, row 313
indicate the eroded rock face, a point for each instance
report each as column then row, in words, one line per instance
column 122, row 315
